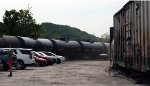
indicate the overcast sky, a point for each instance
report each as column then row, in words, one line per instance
column 92, row 16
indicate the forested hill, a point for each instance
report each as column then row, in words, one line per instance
column 55, row 31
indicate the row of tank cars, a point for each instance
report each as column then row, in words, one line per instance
column 68, row 49
column 27, row 57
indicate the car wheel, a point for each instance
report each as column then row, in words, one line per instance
column 50, row 63
column 20, row 65
column 37, row 64
column 4, row 66
column 58, row 61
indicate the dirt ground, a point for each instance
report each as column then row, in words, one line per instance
column 70, row 73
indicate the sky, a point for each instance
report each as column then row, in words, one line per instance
column 92, row 16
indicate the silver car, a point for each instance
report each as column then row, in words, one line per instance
column 59, row 59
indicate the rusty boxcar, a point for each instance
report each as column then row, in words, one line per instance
column 132, row 36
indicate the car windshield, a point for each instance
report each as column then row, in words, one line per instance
column 3, row 56
column 43, row 54
column 37, row 54
column 49, row 53
column 3, row 53
column 25, row 52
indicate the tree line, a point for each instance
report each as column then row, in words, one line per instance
column 21, row 23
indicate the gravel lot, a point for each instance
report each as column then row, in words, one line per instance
column 70, row 73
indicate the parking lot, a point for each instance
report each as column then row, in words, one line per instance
column 70, row 73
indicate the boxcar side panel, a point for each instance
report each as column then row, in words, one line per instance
column 132, row 34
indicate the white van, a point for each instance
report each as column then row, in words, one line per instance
column 24, row 57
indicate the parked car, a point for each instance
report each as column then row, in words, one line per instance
column 38, row 56
column 40, row 61
column 24, row 57
column 51, row 57
column 59, row 59
column 4, row 58
column 1, row 65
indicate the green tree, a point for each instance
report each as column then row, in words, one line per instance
column 105, row 37
column 20, row 23
column 1, row 28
